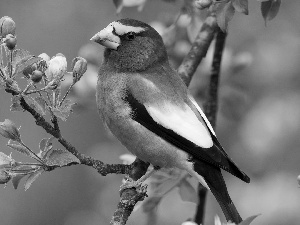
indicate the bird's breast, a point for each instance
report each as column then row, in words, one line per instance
column 109, row 96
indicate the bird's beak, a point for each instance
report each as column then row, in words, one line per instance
column 107, row 38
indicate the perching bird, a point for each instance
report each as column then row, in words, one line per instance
column 146, row 105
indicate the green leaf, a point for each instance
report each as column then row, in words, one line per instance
column 269, row 9
column 151, row 202
column 241, row 6
column 187, row 192
column 16, row 179
column 21, row 149
column 248, row 220
column 32, row 177
column 40, row 104
column 224, row 15
column 63, row 111
column 60, row 157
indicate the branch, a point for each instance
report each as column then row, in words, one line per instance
column 210, row 110
column 128, row 200
column 54, row 130
column 198, row 50
column 211, row 105
column 202, row 193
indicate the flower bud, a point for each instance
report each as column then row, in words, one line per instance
column 4, row 177
column 29, row 70
column 7, row 26
column 9, row 130
column 79, row 66
column 45, row 57
column 57, row 67
column 10, row 41
column 36, row 76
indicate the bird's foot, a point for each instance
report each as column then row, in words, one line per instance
column 138, row 185
column 130, row 183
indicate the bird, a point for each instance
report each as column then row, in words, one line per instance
column 148, row 108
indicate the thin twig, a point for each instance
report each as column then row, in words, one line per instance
column 10, row 64
column 33, row 153
column 202, row 193
column 35, row 91
column 211, row 105
column 68, row 91
column 198, row 50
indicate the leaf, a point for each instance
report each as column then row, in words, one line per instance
column 43, row 143
column 187, row 192
column 32, row 177
column 60, row 157
column 269, row 9
column 9, row 130
column 16, row 179
column 18, row 55
column 45, row 146
column 241, row 6
column 224, row 15
column 63, row 111
column 40, row 104
column 27, row 61
column 16, row 104
column 248, row 220
column 15, row 107
column 151, row 202
column 21, row 149
column 5, row 161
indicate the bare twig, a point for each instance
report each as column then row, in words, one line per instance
column 198, row 50
column 202, row 193
column 66, row 94
column 211, row 105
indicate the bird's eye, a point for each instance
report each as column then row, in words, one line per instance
column 130, row 36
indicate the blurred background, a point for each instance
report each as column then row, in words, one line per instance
column 258, row 120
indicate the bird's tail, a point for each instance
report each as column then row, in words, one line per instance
column 216, row 184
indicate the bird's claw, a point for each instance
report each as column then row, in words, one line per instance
column 130, row 183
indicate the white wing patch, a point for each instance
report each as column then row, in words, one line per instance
column 182, row 121
column 121, row 29
column 202, row 115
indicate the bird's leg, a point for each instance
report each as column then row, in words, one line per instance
column 130, row 183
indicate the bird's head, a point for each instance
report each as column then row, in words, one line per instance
column 131, row 45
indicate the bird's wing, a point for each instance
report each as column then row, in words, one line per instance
column 180, row 126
